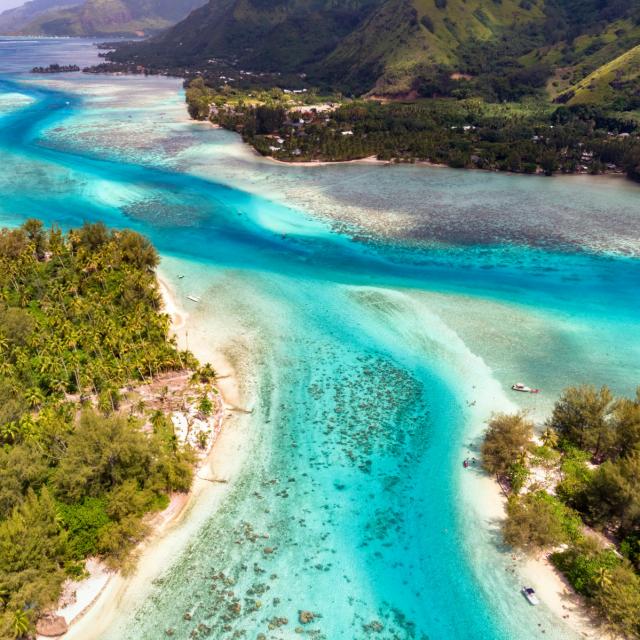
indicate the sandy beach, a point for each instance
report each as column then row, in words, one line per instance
column 99, row 597
column 369, row 160
column 551, row 587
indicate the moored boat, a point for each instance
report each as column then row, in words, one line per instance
column 530, row 594
column 518, row 386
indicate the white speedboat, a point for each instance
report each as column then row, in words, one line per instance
column 518, row 386
column 530, row 595
column 193, row 298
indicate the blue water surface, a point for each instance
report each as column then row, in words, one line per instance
column 376, row 353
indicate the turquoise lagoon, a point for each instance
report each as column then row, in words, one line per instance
column 375, row 317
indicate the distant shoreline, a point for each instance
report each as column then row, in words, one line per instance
column 374, row 161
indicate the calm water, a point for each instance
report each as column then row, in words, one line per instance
column 376, row 315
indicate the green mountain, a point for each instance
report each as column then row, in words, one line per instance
column 265, row 35
column 402, row 37
column 12, row 21
column 499, row 49
column 111, row 17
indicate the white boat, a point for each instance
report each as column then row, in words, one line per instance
column 193, row 298
column 518, row 386
column 530, row 595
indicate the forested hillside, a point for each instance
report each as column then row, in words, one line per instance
column 404, row 39
column 277, row 35
column 496, row 49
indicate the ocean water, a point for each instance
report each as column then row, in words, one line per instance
column 376, row 316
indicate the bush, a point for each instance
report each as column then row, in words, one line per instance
column 585, row 564
column 508, row 437
column 427, row 23
column 576, row 477
column 618, row 601
column 539, row 520
column 518, row 474
column 84, row 521
column 630, row 549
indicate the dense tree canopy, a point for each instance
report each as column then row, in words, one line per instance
column 79, row 321
column 464, row 132
column 582, row 415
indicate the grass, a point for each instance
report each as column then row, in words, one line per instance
column 597, row 87
column 586, row 54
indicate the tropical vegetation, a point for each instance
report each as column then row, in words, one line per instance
column 528, row 137
column 80, row 326
column 498, row 49
column 589, row 516
column 527, row 86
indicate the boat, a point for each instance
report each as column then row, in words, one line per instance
column 530, row 595
column 193, row 298
column 518, row 386
column 180, row 277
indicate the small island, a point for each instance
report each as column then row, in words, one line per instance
column 573, row 496
column 57, row 68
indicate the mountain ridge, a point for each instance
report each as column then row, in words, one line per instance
column 496, row 49
column 106, row 17
column 12, row 21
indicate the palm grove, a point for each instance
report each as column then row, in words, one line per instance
column 590, row 516
column 79, row 321
column 464, row 133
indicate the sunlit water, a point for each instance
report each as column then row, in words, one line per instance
column 378, row 315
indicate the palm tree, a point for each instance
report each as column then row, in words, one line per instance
column 20, row 624
column 59, row 386
column 28, row 426
column 9, row 432
column 603, row 578
column 46, row 363
column 549, row 437
column 205, row 374
column 34, row 397
column 5, row 367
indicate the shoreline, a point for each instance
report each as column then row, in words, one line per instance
column 99, row 595
column 374, row 161
column 552, row 589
